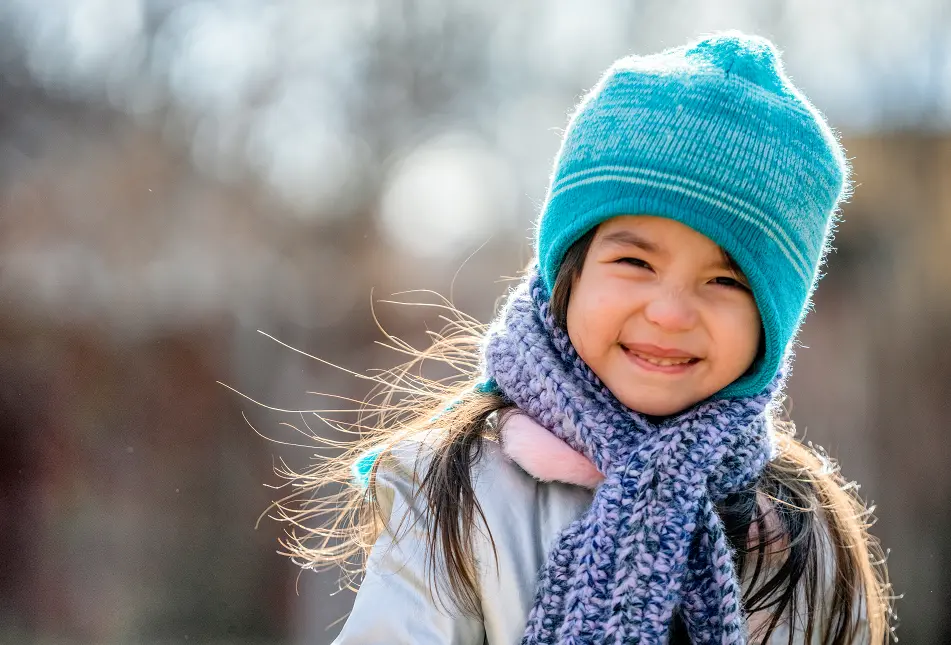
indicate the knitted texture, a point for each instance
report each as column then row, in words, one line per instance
column 713, row 135
column 651, row 539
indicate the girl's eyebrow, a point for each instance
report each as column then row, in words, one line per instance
column 630, row 238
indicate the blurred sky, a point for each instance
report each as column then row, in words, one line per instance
column 283, row 90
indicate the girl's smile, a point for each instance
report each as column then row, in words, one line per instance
column 658, row 359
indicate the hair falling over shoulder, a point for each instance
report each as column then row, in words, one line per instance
column 802, row 513
column 333, row 521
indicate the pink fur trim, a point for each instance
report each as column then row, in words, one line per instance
column 543, row 455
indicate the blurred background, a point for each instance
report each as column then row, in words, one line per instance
column 175, row 176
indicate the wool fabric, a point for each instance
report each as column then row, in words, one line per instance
column 651, row 539
column 714, row 135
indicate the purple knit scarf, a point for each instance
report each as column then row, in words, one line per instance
column 652, row 539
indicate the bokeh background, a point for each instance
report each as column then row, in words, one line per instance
column 175, row 176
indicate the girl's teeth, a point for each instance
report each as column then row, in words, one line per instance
column 664, row 361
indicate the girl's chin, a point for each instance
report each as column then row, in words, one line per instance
column 662, row 404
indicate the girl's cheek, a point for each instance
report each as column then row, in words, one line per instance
column 586, row 319
column 611, row 291
column 743, row 328
column 586, row 325
column 601, row 302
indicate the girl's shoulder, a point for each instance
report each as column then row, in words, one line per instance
column 507, row 474
column 518, row 513
column 517, row 517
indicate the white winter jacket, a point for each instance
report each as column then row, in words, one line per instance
column 529, row 491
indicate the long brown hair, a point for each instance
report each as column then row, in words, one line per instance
column 801, row 514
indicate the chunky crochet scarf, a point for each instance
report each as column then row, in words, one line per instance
column 652, row 539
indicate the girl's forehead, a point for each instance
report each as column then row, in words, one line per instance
column 650, row 228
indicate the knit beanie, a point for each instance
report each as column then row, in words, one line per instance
column 714, row 135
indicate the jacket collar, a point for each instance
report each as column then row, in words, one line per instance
column 543, row 455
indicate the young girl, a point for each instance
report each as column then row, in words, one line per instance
column 615, row 470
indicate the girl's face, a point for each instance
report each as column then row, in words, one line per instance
column 658, row 314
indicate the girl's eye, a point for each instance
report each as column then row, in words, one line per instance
column 730, row 282
column 634, row 262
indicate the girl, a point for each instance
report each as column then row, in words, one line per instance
column 615, row 470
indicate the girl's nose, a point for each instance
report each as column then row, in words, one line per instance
column 671, row 312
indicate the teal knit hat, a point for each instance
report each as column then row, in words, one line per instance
column 715, row 136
